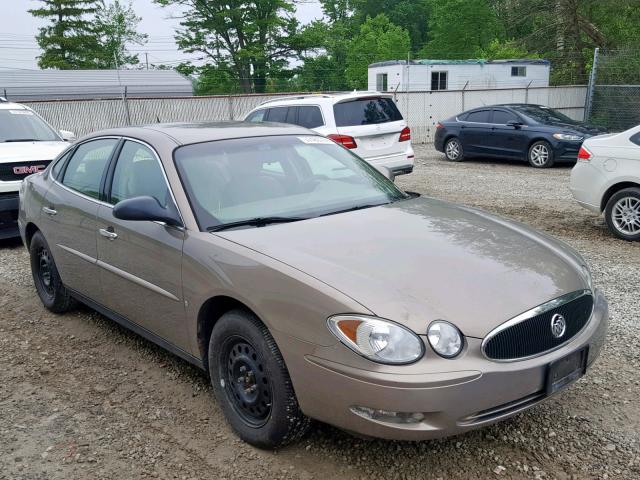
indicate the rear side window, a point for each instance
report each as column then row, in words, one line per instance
column 85, row 169
column 310, row 117
column 57, row 167
column 503, row 117
column 366, row 111
column 257, row 116
column 635, row 138
column 138, row 173
column 481, row 116
column 282, row 114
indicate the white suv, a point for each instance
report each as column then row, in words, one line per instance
column 27, row 145
column 606, row 179
column 368, row 123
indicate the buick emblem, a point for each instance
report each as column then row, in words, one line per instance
column 558, row 326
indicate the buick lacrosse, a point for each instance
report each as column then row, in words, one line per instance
column 306, row 283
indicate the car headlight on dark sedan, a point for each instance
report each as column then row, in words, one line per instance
column 567, row 136
column 377, row 339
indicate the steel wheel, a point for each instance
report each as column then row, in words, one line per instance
column 246, row 381
column 453, row 150
column 625, row 215
column 45, row 264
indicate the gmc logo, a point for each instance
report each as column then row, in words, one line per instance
column 22, row 170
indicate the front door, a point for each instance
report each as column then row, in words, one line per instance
column 141, row 261
column 507, row 140
column 69, row 215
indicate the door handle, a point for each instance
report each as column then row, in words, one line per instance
column 49, row 211
column 108, row 233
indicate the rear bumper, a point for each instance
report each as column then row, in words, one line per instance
column 473, row 392
column 399, row 164
column 9, row 203
column 587, row 186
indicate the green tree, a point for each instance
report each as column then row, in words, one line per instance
column 503, row 50
column 254, row 38
column 116, row 25
column 69, row 41
column 377, row 40
column 459, row 28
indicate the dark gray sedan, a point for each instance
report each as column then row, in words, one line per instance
column 306, row 283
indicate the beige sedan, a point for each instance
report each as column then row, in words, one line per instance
column 307, row 284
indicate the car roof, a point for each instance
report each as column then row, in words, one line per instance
column 187, row 133
column 329, row 98
column 6, row 105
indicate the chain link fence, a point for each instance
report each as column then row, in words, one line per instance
column 422, row 110
column 614, row 90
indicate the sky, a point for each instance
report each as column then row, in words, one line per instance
column 18, row 47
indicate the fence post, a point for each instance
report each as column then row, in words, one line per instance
column 526, row 92
column 126, row 105
column 5, row 94
column 230, row 105
column 588, row 101
column 463, row 90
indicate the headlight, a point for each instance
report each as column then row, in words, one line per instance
column 445, row 339
column 567, row 136
column 377, row 339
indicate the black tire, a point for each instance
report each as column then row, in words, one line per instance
column 251, row 382
column 453, row 150
column 622, row 214
column 52, row 292
column 540, row 154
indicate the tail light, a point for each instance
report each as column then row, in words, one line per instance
column 439, row 125
column 584, row 154
column 405, row 134
column 344, row 140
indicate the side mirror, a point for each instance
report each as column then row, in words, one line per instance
column 387, row 173
column 68, row 136
column 514, row 123
column 147, row 208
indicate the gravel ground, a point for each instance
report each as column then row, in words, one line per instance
column 81, row 397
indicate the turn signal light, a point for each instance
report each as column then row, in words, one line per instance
column 344, row 140
column 584, row 154
column 439, row 125
column 405, row 134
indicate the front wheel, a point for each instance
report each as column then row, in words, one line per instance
column 252, row 384
column 622, row 214
column 453, row 150
column 52, row 292
column 540, row 154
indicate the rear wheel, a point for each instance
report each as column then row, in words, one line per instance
column 622, row 214
column 252, row 384
column 453, row 150
column 540, row 154
column 52, row 292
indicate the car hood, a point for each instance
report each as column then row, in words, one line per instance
column 30, row 151
column 418, row 260
column 583, row 129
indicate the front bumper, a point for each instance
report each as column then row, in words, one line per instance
column 453, row 396
column 9, row 203
column 565, row 150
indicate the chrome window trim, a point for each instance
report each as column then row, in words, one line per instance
column 545, row 307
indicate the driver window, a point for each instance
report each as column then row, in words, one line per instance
column 138, row 173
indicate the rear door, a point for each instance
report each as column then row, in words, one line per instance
column 507, row 140
column 69, row 215
column 474, row 132
column 375, row 124
column 141, row 261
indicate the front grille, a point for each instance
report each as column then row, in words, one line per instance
column 10, row 172
column 532, row 335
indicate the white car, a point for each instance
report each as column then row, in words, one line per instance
column 27, row 145
column 368, row 123
column 606, row 179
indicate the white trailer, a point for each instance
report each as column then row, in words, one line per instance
column 430, row 75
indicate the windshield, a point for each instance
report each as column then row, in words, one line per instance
column 281, row 176
column 544, row 114
column 24, row 125
column 366, row 111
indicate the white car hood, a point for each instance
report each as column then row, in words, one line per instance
column 11, row 152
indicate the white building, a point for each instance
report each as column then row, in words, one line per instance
column 428, row 75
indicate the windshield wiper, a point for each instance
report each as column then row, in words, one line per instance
column 357, row 207
column 22, row 140
column 255, row 222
